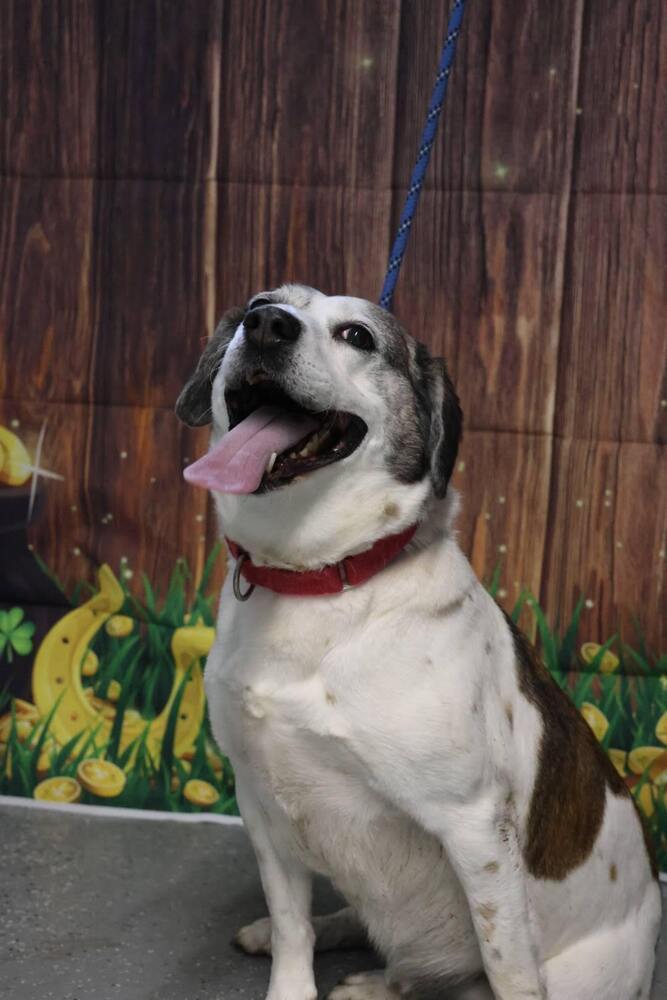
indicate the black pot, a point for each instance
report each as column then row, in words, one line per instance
column 21, row 578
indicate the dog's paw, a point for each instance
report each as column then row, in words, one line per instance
column 255, row 938
column 364, row 986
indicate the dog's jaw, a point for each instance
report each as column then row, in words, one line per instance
column 322, row 519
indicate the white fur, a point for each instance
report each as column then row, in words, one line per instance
column 370, row 743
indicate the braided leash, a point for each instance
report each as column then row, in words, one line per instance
column 424, row 154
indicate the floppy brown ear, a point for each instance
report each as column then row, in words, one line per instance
column 444, row 423
column 193, row 406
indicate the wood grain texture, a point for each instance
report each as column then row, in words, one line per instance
column 308, row 91
column 612, row 371
column 607, row 528
column 159, row 66
column 509, row 118
column 48, row 87
column 46, row 295
column 334, row 238
column 134, row 464
column 482, row 285
column 621, row 142
column 503, row 480
column 150, row 280
column 178, row 157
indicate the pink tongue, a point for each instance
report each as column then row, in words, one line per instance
column 237, row 463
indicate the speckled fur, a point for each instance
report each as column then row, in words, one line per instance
column 387, row 736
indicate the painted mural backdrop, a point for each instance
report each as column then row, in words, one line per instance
column 182, row 163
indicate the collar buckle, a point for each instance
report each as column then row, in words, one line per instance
column 342, row 572
column 241, row 595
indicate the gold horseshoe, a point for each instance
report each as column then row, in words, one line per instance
column 57, row 674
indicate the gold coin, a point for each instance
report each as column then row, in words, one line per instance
column 24, row 728
column 101, row 777
column 90, row 664
column 618, row 759
column 200, row 793
column 609, row 662
column 113, row 691
column 596, row 719
column 642, row 757
column 15, row 464
column 59, row 789
column 119, row 626
column 26, row 710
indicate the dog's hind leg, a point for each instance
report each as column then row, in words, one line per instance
column 339, row 931
column 333, row 932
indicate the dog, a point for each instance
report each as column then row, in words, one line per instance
column 388, row 725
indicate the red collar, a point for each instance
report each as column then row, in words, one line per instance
column 349, row 572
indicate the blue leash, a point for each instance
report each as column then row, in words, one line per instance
column 424, row 154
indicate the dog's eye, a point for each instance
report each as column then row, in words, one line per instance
column 259, row 302
column 357, row 336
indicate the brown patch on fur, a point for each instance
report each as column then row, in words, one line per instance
column 613, row 873
column 391, row 509
column 492, row 867
column 573, row 774
column 487, row 911
column 331, row 698
column 509, row 714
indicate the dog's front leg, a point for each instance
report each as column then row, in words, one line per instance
column 287, row 887
column 481, row 840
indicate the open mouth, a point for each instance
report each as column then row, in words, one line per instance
column 273, row 440
column 301, row 440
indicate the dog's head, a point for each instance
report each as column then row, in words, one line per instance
column 331, row 425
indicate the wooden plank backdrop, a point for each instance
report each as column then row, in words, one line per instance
column 160, row 161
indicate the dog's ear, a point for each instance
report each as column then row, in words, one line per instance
column 445, row 423
column 193, row 406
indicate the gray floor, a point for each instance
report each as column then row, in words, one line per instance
column 104, row 908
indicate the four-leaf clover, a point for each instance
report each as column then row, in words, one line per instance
column 15, row 634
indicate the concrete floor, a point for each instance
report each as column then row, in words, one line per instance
column 96, row 908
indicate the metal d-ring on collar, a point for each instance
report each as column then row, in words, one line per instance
column 239, row 594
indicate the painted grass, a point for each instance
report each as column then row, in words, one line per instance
column 142, row 664
column 632, row 699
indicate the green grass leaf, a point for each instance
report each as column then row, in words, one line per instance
column 122, row 704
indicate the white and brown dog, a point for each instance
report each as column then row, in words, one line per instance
column 389, row 727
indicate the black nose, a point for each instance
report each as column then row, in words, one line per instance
column 269, row 327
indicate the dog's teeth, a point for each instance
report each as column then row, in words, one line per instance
column 272, row 461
